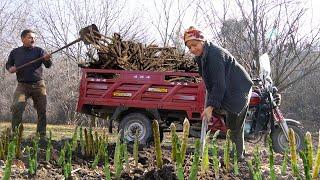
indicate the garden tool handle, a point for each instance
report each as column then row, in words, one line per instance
column 67, row 45
column 204, row 129
column 40, row 58
column 204, row 126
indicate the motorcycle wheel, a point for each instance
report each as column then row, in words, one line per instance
column 280, row 142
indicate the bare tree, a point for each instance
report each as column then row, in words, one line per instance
column 168, row 20
column 210, row 16
column 274, row 27
column 13, row 18
column 305, row 103
column 13, row 15
column 59, row 24
column 290, row 48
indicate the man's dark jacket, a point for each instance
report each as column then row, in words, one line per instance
column 33, row 72
column 227, row 82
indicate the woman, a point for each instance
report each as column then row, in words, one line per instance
column 227, row 82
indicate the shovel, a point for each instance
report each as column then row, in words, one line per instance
column 204, row 127
column 88, row 35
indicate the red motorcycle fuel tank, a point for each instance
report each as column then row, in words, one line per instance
column 254, row 99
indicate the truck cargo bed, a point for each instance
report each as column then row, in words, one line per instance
column 141, row 89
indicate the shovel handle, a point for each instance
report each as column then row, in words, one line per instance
column 204, row 127
column 40, row 58
column 28, row 63
column 67, row 45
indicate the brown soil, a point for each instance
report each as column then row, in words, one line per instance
column 146, row 169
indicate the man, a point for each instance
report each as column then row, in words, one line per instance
column 30, row 80
column 228, row 84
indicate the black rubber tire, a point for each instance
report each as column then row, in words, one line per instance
column 279, row 141
column 136, row 121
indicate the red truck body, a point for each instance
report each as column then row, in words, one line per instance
column 134, row 98
column 140, row 89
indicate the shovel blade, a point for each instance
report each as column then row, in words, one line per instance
column 89, row 34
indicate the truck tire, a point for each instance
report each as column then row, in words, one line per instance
column 136, row 122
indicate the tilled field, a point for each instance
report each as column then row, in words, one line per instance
column 146, row 169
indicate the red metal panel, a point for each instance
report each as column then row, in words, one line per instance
column 141, row 89
column 97, row 86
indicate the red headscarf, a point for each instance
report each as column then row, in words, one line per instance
column 192, row 34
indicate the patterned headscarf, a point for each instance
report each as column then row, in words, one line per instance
column 192, row 34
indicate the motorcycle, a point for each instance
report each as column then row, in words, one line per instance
column 264, row 116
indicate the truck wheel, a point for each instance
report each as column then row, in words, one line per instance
column 136, row 122
column 280, row 142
